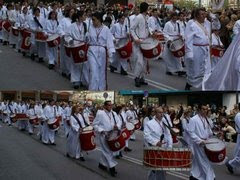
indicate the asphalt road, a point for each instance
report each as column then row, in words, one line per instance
column 18, row 72
column 25, row 157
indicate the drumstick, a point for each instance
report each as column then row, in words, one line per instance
column 212, row 142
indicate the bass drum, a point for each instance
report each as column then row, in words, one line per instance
column 150, row 48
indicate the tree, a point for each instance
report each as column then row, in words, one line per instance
column 187, row 4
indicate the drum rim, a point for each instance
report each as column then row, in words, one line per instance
column 168, row 149
column 55, row 37
column 154, row 45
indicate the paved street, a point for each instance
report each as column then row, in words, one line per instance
column 18, row 72
column 22, row 156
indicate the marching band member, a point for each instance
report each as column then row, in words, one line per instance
column 64, row 25
column 67, row 110
column 104, row 123
column 185, row 120
column 233, row 164
column 22, row 124
column 37, row 24
column 120, row 34
column 48, row 135
column 11, row 111
column 43, row 11
column 200, row 130
column 132, row 117
column 172, row 32
column 154, row 22
column 38, row 108
column 6, row 16
column 139, row 31
column 31, row 114
column 77, row 123
column 236, row 28
column 100, row 46
column 76, row 35
column 52, row 29
column 156, row 134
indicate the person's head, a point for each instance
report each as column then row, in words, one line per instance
column 144, row 7
column 75, row 109
column 121, row 18
column 118, row 109
column 51, row 102
column 200, row 15
column 159, row 113
column 36, row 12
column 174, row 17
column 203, row 110
column 97, row 19
column 108, row 105
column 181, row 16
column 52, row 15
column 79, row 16
column 155, row 12
column 25, row 10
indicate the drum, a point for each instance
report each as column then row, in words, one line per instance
column 176, row 121
column 215, row 150
column 1, row 22
column 159, row 36
column 34, row 120
column 130, row 127
column 124, row 48
column 115, row 141
column 53, row 40
column 40, row 36
column 150, row 48
column 87, row 139
column 126, row 134
column 55, row 125
column 176, row 159
column 79, row 53
column 175, row 134
column 217, row 51
column 26, row 40
column 21, row 116
column 91, row 118
column 177, row 48
column 15, row 31
column 6, row 25
column 137, row 124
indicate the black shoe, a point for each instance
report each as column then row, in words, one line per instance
column 102, row 167
column 229, row 167
column 14, row 46
column 50, row 66
column 82, row 159
column 117, row 157
column 192, row 178
column 188, row 87
column 143, row 82
column 113, row 172
column 67, row 155
column 4, row 43
column 40, row 60
column 132, row 139
column 126, row 149
column 181, row 73
column 9, row 125
column 76, row 86
column 169, row 73
column 24, row 53
column 19, row 51
column 112, row 69
column 137, row 82
column 32, row 57
column 120, row 154
column 53, row 144
column 123, row 72
column 64, row 74
column 30, row 134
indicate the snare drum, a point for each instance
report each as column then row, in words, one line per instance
column 87, row 139
column 215, row 150
column 26, row 40
column 175, row 134
column 21, row 116
column 40, row 36
column 177, row 47
column 53, row 40
column 137, row 124
column 34, row 120
column 79, row 53
column 158, row 158
column 6, row 25
column 217, row 51
column 159, row 36
column 150, row 48
column 115, row 141
column 130, row 127
column 124, row 48
column 15, row 31
column 126, row 134
column 55, row 125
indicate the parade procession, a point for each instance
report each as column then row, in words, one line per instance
column 120, row 89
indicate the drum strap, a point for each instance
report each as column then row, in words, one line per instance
column 78, row 121
column 122, row 118
column 114, row 118
column 178, row 28
column 38, row 23
column 167, row 120
column 10, row 109
column 85, row 122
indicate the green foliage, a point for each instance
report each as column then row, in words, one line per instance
column 187, row 4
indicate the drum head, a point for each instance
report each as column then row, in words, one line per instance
column 215, row 144
column 52, row 37
column 149, row 43
column 88, row 128
column 113, row 135
column 176, row 130
column 176, row 44
column 130, row 126
column 33, row 117
column 121, row 43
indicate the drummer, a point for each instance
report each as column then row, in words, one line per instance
column 37, row 24
column 156, row 134
column 104, row 123
column 172, row 31
column 31, row 115
column 52, row 29
column 77, row 123
column 76, row 35
column 22, row 108
column 233, row 164
column 200, row 130
column 132, row 116
column 6, row 15
column 139, row 31
column 154, row 23
column 120, row 34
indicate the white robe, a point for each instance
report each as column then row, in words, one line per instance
column 132, row 117
column 31, row 114
column 197, row 55
column 235, row 162
column 226, row 75
column 200, row 130
column 236, row 28
column 66, row 114
column 152, row 135
column 216, row 41
column 104, row 122
column 22, row 124
column 80, row 71
column 97, row 56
